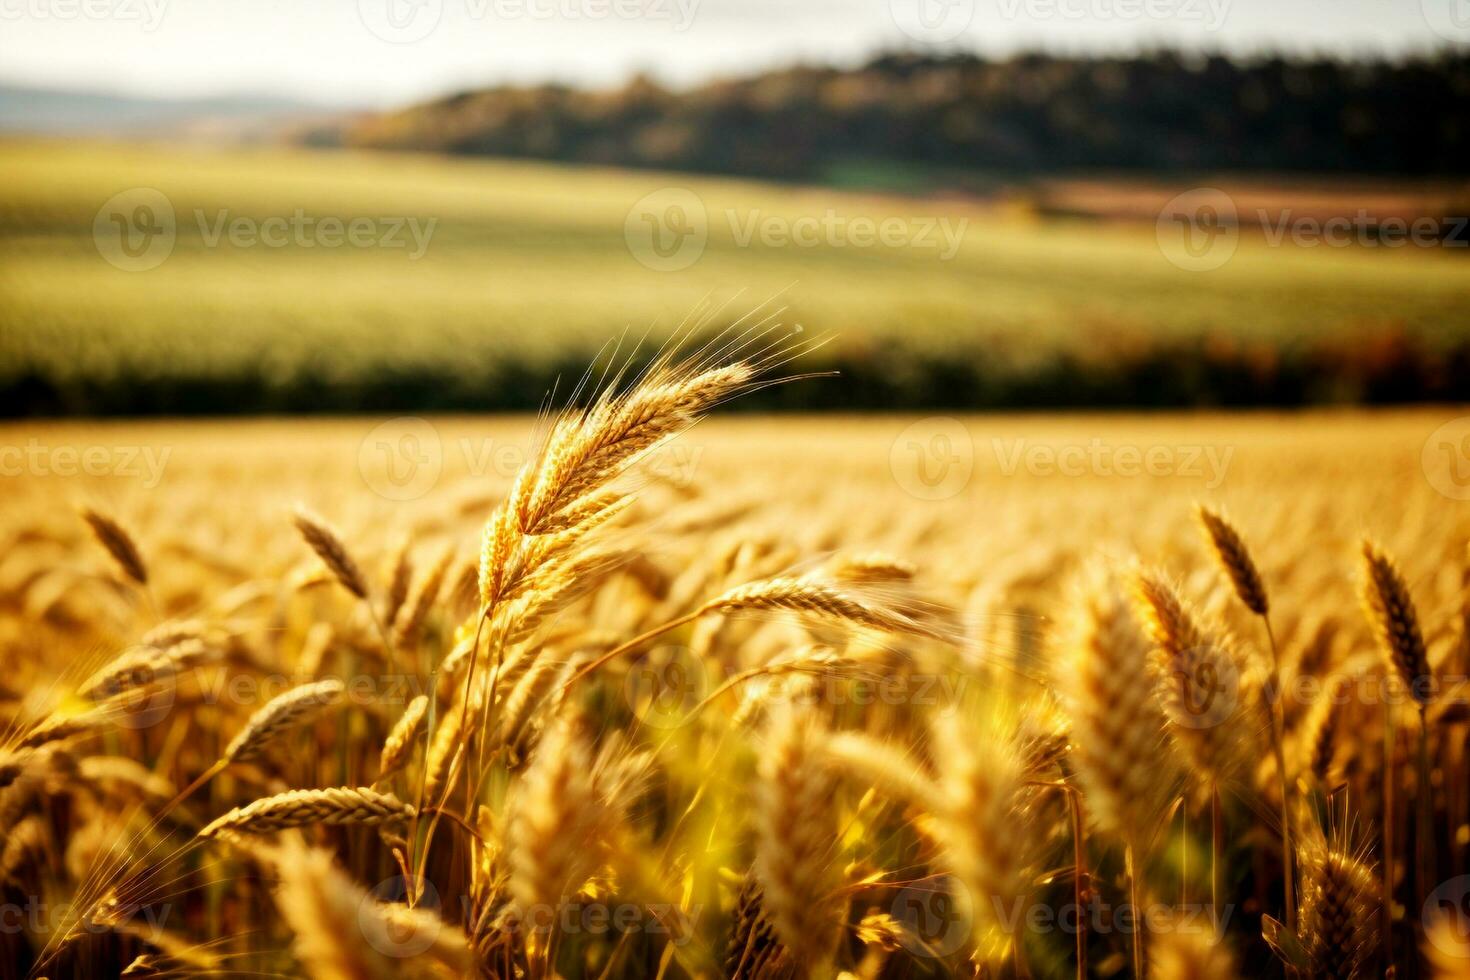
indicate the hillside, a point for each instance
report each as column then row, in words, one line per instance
column 477, row 280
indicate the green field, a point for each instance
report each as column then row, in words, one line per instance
column 528, row 268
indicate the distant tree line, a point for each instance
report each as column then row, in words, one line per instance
column 1156, row 112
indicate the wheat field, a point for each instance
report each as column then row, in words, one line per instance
column 606, row 693
column 525, row 268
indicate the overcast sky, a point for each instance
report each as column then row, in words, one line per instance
column 385, row 52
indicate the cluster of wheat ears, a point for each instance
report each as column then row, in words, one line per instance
column 548, row 793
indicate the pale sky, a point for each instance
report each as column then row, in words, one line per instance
column 385, row 52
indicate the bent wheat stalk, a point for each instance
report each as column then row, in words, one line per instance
column 1235, row 559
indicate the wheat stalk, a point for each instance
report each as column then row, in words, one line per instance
column 873, row 567
column 279, row 715
column 398, row 746
column 144, row 665
column 753, row 950
column 407, row 632
column 1118, row 728
column 817, row 599
column 554, row 823
column 1200, row 682
column 28, row 839
column 400, row 571
column 981, row 824
column 335, row 938
column 327, row 544
column 1390, row 610
column 336, row 806
column 795, row 841
column 59, row 727
column 118, row 543
column 1338, row 916
column 1235, row 559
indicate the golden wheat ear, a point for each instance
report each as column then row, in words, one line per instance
column 336, row 806
column 398, row 746
column 1118, row 746
column 1390, row 610
column 279, row 715
column 796, row 839
column 328, row 545
column 118, row 543
column 1338, row 915
column 1235, row 560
